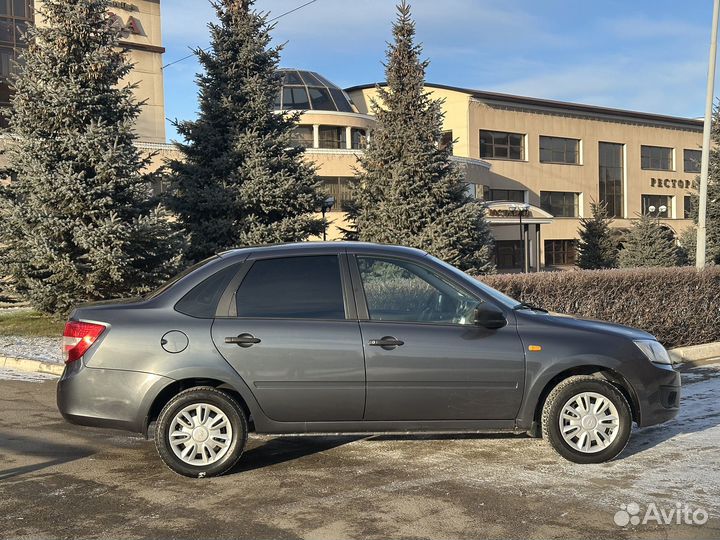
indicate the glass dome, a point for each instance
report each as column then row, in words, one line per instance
column 309, row 91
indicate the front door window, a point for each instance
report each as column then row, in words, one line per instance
column 397, row 290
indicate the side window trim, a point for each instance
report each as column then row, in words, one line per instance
column 227, row 307
column 363, row 313
column 351, row 310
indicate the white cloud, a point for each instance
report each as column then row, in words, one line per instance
column 635, row 28
column 623, row 82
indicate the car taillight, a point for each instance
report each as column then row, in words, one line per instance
column 78, row 338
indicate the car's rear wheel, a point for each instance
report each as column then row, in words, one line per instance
column 201, row 432
column 586, row 419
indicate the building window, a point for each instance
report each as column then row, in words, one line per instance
column 560, row 203
column 611, row 178
column 338, row 188
column 692, row 160
column 559, row 150
column 657, row 158
column 15, row 16
column 656, row 201
column 359, row 138
column 508, row 253
column 688, row 207
column 514, row 195
column 332, row 137
column 302, row 136
column 295, row 98
column 560, row 252
column 446, row 140
column 499, row 144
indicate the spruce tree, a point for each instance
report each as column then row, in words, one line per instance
column 239, row 180
column 712, row 218
column 688, row 247
column 649, row 244
column 77, row 222
column 597, row 248
column 409, row 192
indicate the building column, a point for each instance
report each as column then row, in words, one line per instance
column 348, row 138
column 537, row 247
column 316, row 136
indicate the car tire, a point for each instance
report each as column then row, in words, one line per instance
column 586, row 419
column 201, row 432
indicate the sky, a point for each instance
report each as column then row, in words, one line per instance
column 644, row 55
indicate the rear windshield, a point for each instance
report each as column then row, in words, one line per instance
column 157, row 292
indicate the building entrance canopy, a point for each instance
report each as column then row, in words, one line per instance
column 521, row 215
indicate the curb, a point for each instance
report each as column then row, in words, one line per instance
column 32, row 366
column 696, row 354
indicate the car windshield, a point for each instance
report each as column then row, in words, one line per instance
column 165, row 286
column 499, row 297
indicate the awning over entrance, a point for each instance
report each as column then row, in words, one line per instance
column 511, row 213
column 522, row 215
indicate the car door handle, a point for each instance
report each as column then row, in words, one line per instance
column 387, row 343
column 243, row 340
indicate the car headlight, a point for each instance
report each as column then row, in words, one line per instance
column 654, row 351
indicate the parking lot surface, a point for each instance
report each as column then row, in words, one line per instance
column 62, row 481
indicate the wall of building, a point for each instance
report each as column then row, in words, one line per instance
column 143, row 38
column 534, row 176
column 466, row 115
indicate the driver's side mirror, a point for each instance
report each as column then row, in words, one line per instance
column 489, row 316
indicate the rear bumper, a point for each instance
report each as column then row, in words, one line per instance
column 106, row 398
column 659, row 399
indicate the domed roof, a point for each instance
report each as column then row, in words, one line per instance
column 310, row 91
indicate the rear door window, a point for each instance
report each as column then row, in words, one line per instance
column 292, row 288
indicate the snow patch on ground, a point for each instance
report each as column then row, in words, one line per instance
column 13, row 375
column 46, row 349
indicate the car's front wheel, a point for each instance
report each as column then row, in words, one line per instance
column 201, row 432
column 586, row 419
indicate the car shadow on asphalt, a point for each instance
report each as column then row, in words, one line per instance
column 57, row 453
column 283, row 449
column 645, row 438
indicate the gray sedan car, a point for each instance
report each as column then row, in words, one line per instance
column 353, row 338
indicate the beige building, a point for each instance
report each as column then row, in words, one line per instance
column 142, row 36
column 548, row 161
column 537, row 163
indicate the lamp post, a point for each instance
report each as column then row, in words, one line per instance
column 661, row 210
column 705, row 165
column 326, row 207
column 521, row 209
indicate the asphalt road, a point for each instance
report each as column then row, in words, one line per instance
column 61, row 481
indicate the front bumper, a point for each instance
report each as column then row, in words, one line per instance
column 658, row 396
column 108, row 398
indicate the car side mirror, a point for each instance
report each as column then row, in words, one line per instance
column 489, row 316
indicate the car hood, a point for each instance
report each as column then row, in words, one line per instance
column 592, row 325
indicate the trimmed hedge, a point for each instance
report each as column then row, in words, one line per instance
column 679, row 306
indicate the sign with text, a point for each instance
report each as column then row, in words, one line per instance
column 671, row 183
column 127, row 6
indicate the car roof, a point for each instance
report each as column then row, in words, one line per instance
column 330, row 247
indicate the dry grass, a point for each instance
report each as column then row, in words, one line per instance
column 29, row 323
